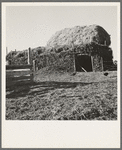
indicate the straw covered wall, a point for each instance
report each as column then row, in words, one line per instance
column 61, row 62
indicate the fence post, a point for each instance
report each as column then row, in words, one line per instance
column 29, row 55
column 34, row 66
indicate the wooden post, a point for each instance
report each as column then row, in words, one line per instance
column 29, row 55
column 102, row 63
column 83, row 69
column 92, row 63
column 73, row 55
column 105, row 43
column 34, row 66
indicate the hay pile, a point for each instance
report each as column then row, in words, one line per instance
column 79, row 36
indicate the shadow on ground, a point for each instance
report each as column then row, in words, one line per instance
column 39, row 88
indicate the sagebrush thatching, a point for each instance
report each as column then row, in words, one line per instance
column 92, row 41
column 79, row 36
column 63, row 50
column 21, row 57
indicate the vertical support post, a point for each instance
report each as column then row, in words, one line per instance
column 105, row 42
column 34, row 66
column 92, row 63
column 73, row 55
column 29, row 55
column 102, row 63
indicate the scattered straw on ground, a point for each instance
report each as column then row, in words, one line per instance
column 85, row 96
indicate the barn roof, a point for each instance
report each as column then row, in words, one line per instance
column 79, row 36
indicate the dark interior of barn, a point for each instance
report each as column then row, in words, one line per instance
column 83, row 63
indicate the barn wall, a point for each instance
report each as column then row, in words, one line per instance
column 63, row 61
column 97, row 63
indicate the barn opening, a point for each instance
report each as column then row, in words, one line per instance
column 83, row 62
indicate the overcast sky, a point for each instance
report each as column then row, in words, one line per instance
column 33, row 26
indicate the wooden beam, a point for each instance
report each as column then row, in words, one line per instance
column 73, row 54
column 102, row 63
column 92, row 63
column 34, row 66
column 19, row 83
column 83, row 69
column 29, row 55
column 10, row 67
column 20, row 78
column 12, row 73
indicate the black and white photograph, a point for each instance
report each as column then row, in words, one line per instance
column 61, row 65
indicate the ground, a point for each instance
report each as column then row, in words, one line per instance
column 83, row 96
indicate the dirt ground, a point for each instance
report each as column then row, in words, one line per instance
column 84, row 96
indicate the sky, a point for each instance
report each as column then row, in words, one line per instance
column 33, row 26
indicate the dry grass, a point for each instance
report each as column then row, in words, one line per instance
column 85, row 96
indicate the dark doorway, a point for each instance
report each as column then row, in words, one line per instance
column 83, row 62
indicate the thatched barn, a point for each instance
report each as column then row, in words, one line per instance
column 78, row 49
column 72, row 49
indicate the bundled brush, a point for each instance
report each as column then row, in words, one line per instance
column 21, row 57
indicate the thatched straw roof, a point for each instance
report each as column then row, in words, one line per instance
column 80, row 36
